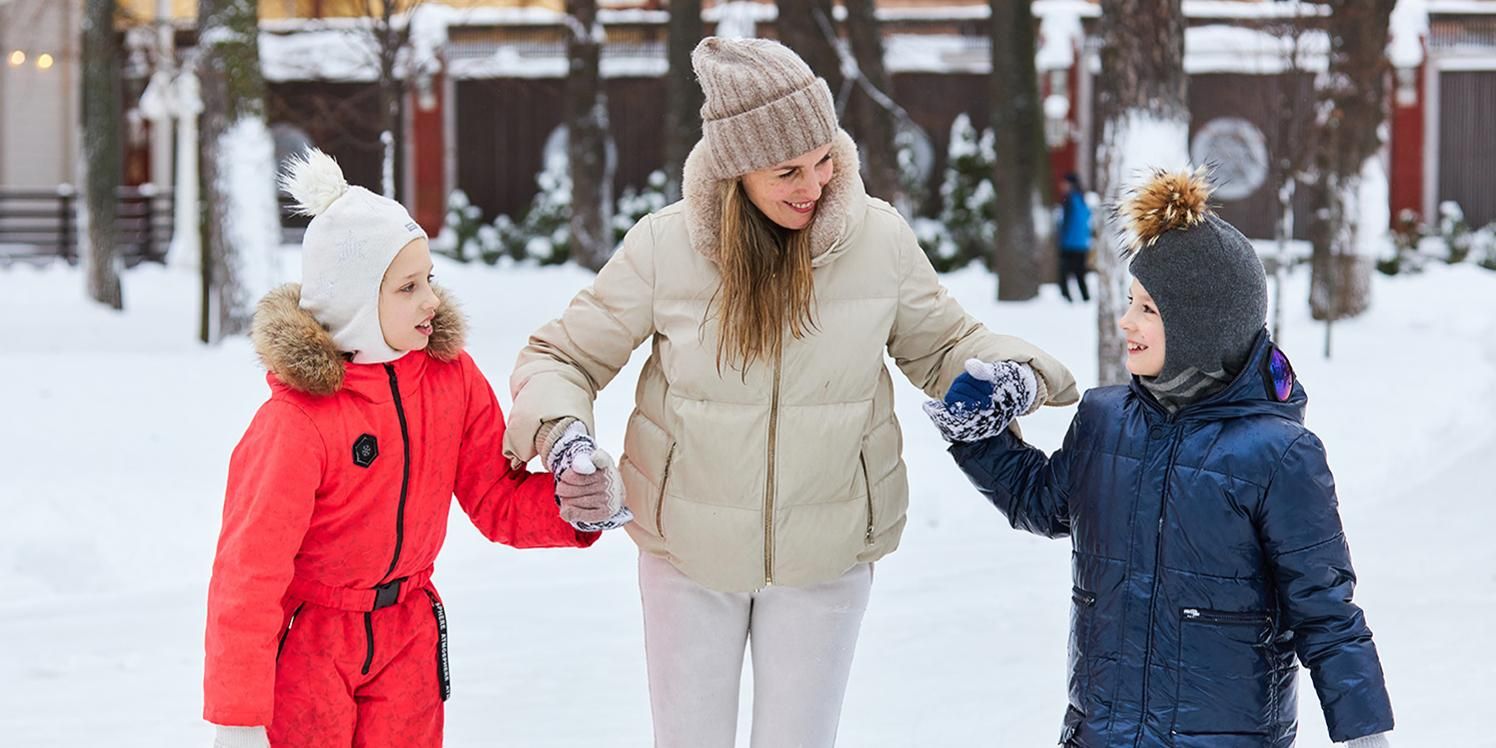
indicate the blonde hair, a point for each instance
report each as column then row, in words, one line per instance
column 767, row 284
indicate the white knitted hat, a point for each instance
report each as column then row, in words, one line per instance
column 352, row 238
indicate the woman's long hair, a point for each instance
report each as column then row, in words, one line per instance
column 767, row 284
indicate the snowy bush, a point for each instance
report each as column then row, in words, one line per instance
column 1407, row 234
column 1457, row 236
column 635, row 204
column 459, row 238
column 968, row 199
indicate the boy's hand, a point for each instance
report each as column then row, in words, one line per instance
column 589, row 488
column 240, row 737
column 982, row 401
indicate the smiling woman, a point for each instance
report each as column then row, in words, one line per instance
column 763, row 460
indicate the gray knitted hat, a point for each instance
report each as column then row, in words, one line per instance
column 1206, row 278
column 763, row 104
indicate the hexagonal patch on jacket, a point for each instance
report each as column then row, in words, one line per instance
column 365, row 449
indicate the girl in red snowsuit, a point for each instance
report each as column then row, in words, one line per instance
column 323, row 626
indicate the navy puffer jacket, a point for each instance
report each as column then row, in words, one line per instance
column 1208, row 554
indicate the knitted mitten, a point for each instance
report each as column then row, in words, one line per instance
column 589, row 488
column 982, row 401
column 240, row 737
column 1378, row 740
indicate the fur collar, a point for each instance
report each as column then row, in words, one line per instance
column 299, row 351
column 843, row 202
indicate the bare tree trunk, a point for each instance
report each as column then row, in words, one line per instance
column 1142, row 100
column 683, row 96
column 101, row 150
column 237, row 166
column 873, row 107
column 1348, row 164
column 1020, row 174
column 391, row 39
column 587, row 138
column 800, row 27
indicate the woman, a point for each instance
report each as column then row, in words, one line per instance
column 762, row 460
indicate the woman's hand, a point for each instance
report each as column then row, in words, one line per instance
column 589, row 488
column 983, row 400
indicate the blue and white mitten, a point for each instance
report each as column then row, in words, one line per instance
column 982, row 401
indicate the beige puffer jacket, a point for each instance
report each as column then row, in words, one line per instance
column 791, row 474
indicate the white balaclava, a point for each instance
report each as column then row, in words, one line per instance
column 353, row 236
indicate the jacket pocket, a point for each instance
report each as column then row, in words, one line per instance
column 1225, row 676
column 867, row 538
column 664, row 488
column 1081, row 614
column 290, row 621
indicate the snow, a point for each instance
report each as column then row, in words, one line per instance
column 122, row 427
column 246, row 156
column 1407, row 29
column 1237, row 9
column 1221, row 48
column 738, row 19
column 1060, row 35
column 1461, row 7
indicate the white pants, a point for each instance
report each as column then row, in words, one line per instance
column 802, row 641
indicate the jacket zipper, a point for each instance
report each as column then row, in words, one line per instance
column 369, row 639
column 769, row 483
column 867, row 539
column 284, row 634
column 1158, row 561
column 1223, row 617
column 664, row 482
column 404, row 476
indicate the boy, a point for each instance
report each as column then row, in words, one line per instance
column 1208, row 551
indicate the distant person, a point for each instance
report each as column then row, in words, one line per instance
column 323, row 627
column 1075, row 238
column 1207, row 548
column 762, row 459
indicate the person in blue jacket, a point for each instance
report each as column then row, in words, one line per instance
column 1075, row 238
column 1209, row 557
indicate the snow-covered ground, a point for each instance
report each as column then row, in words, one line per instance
column 118, row 428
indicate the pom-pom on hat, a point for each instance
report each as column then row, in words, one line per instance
column 1205, row 277
column 353, row 236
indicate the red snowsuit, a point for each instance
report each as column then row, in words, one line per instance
column 322, row 621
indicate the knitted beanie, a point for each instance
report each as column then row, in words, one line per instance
column 763, row 105
column 353, row 236
column 1205, row 277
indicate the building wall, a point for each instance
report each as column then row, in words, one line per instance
column 38, row 111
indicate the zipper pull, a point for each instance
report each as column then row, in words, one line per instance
column 1191, row 613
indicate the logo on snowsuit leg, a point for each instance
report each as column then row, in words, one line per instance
column 365, row 449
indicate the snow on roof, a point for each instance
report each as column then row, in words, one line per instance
column 1249, row 10
column 340, row 55
column 507, row 62
column 1462, row 7
column 1234, row 49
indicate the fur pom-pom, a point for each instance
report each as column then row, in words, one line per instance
column 1166, row 201
column 314, row 180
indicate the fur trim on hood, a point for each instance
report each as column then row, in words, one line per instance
column 299, row 350
column 842, row 204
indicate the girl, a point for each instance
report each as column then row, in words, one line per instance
column 762, row 459
column 338, row 493
column 1208, row 551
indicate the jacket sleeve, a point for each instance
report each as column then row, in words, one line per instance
column 273, row 479
column 932, row 336
column 568, row 360
column 1030, row 489
column 507, row 503
column 1306, row 548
